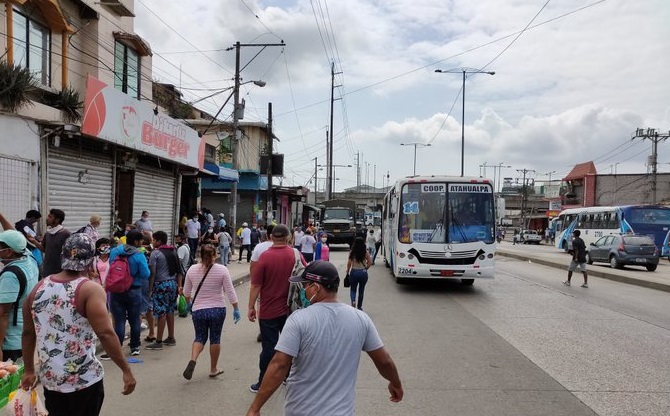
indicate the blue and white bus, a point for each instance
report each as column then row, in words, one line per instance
column 595, row 222
column 439, row 227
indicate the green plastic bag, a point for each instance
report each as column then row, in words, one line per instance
column 182, row 308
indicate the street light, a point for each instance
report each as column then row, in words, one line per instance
column 464, row 71
column 415, row 144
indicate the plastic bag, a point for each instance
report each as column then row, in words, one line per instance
column 24, row 403
column 182, row 307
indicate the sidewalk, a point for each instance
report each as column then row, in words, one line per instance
column 549, row 256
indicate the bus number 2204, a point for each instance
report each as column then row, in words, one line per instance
column 405, row 270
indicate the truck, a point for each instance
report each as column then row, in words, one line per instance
column 339, row 221
column 527, row 237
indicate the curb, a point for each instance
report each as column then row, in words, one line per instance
column 597, row 273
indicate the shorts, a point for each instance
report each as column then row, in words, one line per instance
column 164, row 297
column 209, row 323
column 573, row 266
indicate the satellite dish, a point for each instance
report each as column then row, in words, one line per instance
column 222, row 135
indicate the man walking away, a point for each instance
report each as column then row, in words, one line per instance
column 245, row 236
column 254, row 237
column 127, row 305
column 193, row 234
column 578, row 259
column 69, row 372
column 269, row 279
column 17, row 279
column 321, row 346
column 53, row 242
column 164, row 285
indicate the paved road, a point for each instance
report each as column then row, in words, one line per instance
column 521, row 344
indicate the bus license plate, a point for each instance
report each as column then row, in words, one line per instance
column 336, row 230
column 446, row 273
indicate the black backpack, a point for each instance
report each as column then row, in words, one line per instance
column 21, row 277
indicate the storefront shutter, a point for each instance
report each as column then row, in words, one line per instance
column 80, row 184
column 155, row 192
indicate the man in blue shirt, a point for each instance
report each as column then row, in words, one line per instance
column 20, row 270
column 127, row 305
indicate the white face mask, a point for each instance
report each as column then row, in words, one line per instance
column 211, row 230
column 323, row 240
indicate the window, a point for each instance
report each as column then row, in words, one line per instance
column 126, row 70
column 210, row 153
column 32, row 47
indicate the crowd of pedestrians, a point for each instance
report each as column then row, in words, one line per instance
column 61, row 290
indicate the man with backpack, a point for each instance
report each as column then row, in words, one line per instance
column 165, row 284
column 128, row 270
column 17, row 279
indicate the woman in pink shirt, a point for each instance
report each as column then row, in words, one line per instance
column 205, row 285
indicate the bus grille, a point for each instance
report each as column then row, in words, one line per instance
column 454, row 258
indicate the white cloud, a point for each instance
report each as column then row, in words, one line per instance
column 565, row 92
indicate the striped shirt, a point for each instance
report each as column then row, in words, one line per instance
column 211, row 294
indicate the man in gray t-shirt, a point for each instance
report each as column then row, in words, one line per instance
column 321, row 346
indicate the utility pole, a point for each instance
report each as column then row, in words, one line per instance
column 655, row 137
column 316, row 179
column 237, row 112
column 524, row 196
column 269, row 203
column 330, row 143
column 358, row 172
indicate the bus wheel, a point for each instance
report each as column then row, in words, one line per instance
column 651, row 267
column 468, row 282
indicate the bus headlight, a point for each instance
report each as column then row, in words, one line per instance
column 482, row 257
column 410, row 256
column 401, row 255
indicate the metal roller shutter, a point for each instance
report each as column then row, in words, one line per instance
column 80, row 184
column 155, row 192
column 15, row 188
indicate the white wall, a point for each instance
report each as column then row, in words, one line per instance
column 19, row 138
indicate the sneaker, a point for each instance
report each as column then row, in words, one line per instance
column 567, row 283
column 585, row 286
column 154, row 346
column 105, row 357
column 170, row 342
column 135, row 351
column 254, row 387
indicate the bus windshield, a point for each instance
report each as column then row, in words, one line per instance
column 430, row 214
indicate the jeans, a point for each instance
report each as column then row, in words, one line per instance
column 193, row 245
column 358, row 279
column 127, row 306
column 84, row 402
column 225, row 255
column 373, row 252
column 270, row 329
column 245, row 247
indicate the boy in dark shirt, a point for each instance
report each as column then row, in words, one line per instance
column 578, row 259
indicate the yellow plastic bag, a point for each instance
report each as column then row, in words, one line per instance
column 24, row 403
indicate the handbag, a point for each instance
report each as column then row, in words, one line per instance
column 347, row 281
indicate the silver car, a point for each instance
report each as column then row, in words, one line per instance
column 621, row 250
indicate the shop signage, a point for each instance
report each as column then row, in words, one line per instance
column 111, row 115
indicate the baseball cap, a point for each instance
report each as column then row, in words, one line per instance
column 319, row 271
column 78, row 252
column 279, row 231
column 244, row 224
column 221, row 215
column 14, row 240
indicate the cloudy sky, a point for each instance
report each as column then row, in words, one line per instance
column 573, row 80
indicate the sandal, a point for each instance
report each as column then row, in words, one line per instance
column 188, row 373
column 218, row 373
column 150, row 339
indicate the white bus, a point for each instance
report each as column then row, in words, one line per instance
column 596, row 222
column 439, row 227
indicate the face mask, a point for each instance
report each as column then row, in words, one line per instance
column 303, row 298
column 210, row 230
column 323, row 240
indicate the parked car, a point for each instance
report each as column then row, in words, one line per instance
column 527, row 237
column 621, row 250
